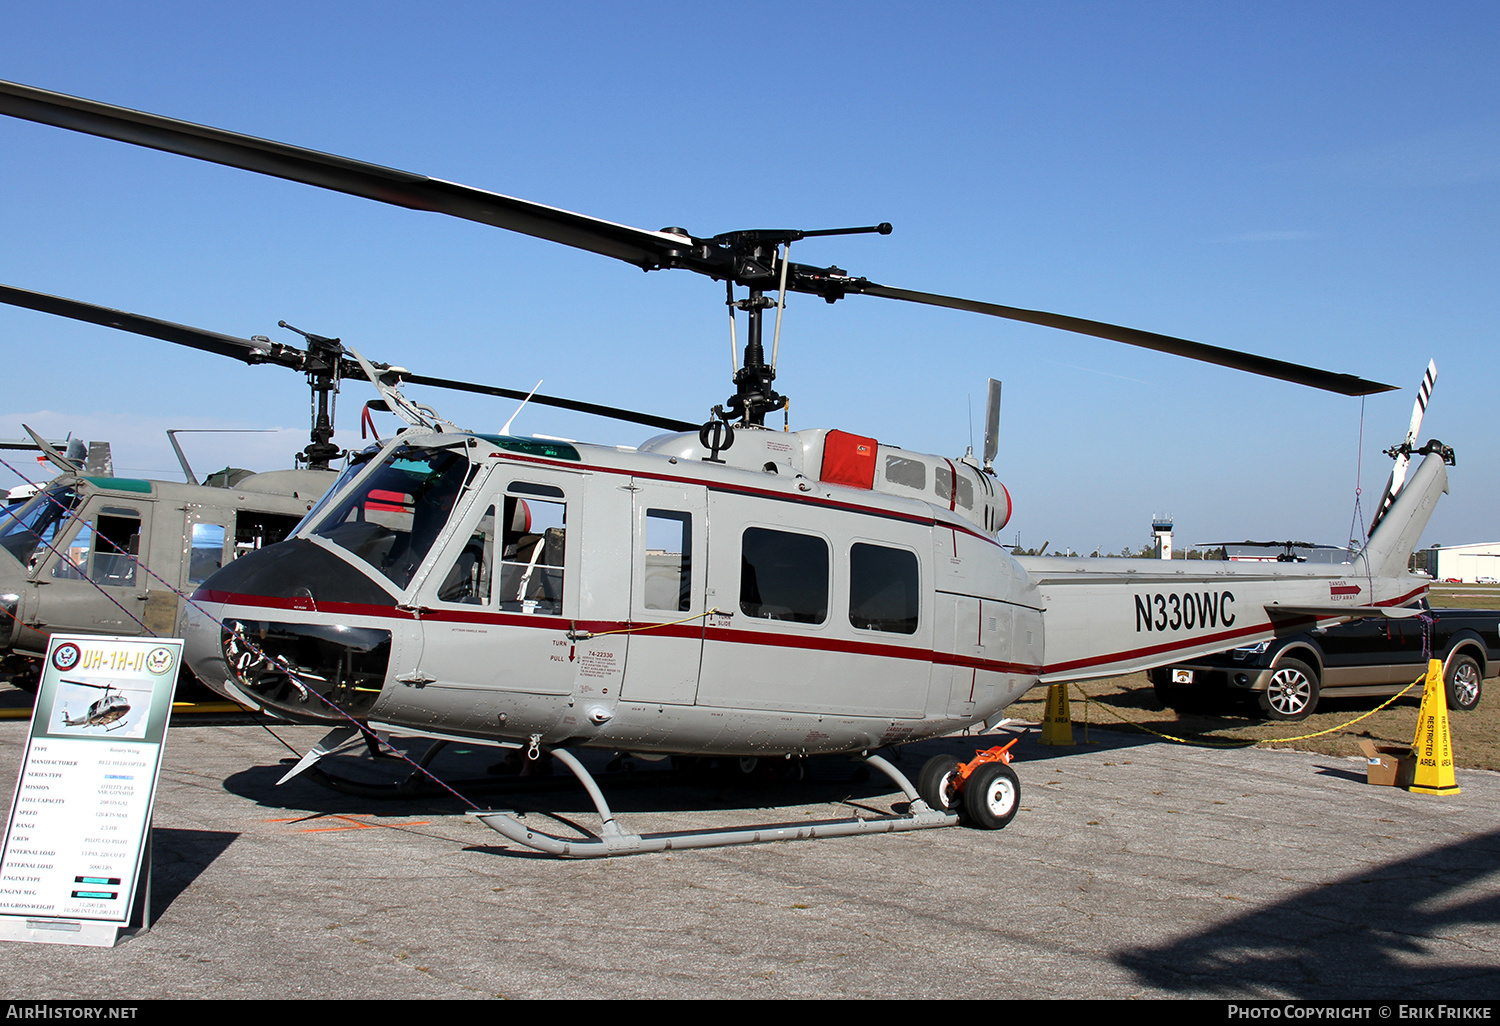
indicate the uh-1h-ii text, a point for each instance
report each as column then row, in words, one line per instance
column 724, row 591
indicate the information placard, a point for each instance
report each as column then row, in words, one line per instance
column 80, row 824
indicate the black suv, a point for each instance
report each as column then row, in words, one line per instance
column 1379, row 657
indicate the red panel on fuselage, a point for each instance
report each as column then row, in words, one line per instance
column 849, row 460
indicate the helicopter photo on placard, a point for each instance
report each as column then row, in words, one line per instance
column 78, row 708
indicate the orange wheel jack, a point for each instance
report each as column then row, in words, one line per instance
column 985, row 791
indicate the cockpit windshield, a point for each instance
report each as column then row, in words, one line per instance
column 28, row 530
column 392, row 517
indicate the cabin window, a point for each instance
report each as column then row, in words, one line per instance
column 468, row 579
column 112, row 547
column 533, row 549
column 206, row 553
column 906, row 472
column 944, row 478
column 883, row 589
column 669, row 560
column 784, row 576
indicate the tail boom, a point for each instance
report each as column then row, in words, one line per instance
column 1113, row 616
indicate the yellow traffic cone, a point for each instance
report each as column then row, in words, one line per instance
column 1433, row 746
column 1057, row 724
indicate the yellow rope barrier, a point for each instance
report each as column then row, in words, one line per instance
column 1247, row 742
column 654, row 626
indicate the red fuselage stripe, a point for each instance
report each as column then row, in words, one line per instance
column 744, row 637
column 253, row 605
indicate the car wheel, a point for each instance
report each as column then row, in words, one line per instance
column 1465, row 681
column 937, row 783
column 1292, row 693
column 992, row 794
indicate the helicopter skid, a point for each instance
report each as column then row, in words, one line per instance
column 615, row 840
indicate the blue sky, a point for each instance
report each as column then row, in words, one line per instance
column 1315, row 182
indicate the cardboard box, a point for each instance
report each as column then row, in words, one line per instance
column 1389, row 765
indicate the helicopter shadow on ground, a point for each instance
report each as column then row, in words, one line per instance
column 834, row 786
column 1366, row 933
column 636, row 787
column 1029, row 749
column 179, row 857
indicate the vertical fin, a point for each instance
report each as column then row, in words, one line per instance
column 1392, row 541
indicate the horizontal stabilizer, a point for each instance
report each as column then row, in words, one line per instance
column 1344, row 612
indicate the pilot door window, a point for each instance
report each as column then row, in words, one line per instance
column 469, row 577
column 104, row 553
column 784, row 576
column 254, row 529
column 534, row 542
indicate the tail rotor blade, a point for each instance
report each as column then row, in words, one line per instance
column 992, row 424
column 1397, row 480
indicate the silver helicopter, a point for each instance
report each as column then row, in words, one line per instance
column 724, row 590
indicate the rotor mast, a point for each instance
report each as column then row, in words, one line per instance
column 754, row 395
column 758, row 261
column 322, row 363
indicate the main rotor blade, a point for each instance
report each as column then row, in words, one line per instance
column 1343, row 384
column 747, row 258
column 253, row 352
column 341, row 174
column 182, row 334
column 613, row 412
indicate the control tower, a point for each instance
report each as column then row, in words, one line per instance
column 1161, row 526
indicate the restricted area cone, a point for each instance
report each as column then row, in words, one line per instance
column 1433, row 746
column 1057, row 724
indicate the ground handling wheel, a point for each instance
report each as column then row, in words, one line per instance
column 985, row 791
column 938, row 783
column 992, row 794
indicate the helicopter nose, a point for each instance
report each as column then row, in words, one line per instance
column 266, row 632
